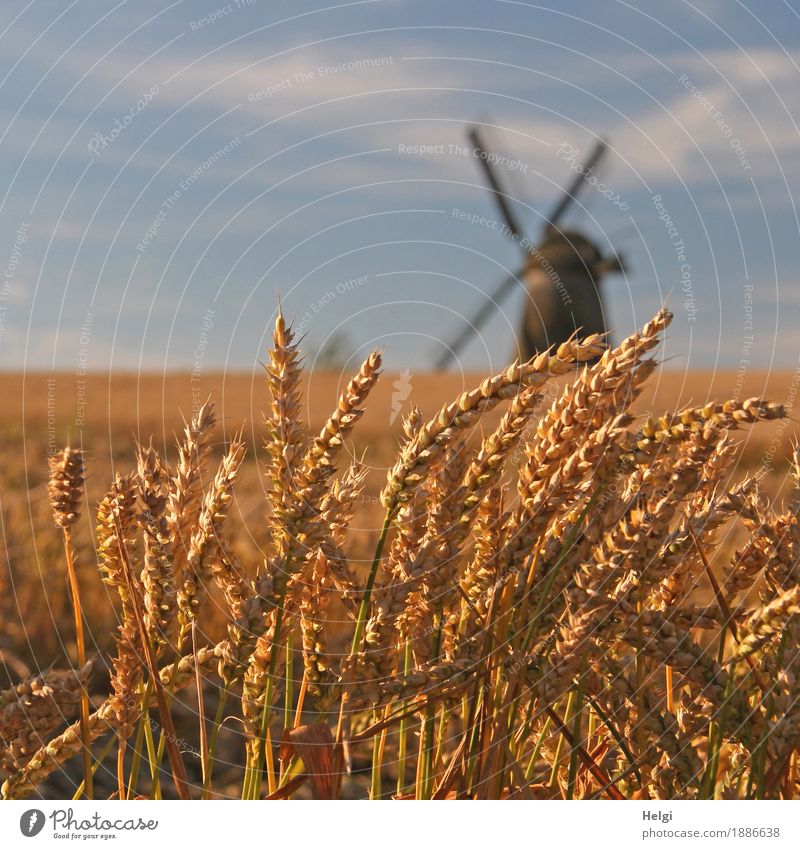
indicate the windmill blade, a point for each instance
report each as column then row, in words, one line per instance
column 478, row 320
column 494, row 182
column 571, row 192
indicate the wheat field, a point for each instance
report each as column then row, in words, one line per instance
column 576, row 579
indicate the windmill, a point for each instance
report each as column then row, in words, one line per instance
column 562, row 272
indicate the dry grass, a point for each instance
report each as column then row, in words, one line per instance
column 540, row 593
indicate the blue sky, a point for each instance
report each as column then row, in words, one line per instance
column 167, row 168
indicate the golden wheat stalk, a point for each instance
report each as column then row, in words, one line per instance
column 65, row 488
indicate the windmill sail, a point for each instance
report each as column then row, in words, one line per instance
column 572, row 190
column 478, row 320
column 501, row 198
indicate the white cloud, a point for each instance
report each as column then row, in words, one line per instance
column 713, row 109
column 290, row 93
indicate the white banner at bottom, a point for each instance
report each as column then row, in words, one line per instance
column 404, row 825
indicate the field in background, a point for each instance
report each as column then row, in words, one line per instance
column 111, row 407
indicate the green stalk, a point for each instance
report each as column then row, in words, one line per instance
column 255, row 766
column 288, row 696
column 403, row 731
column 714, row 750
column 639, row 729
column 95, row 766
column 247, row 781
column 537, row 749
column 440, row 736
column 474, row 742
column 133, row 774
column 482, row 703
column 422, row 760
column 363, row 609
column 375, row 779
column 212, row 739
column 426, row 784
column 716, row 729
column 560, row 744
column 620, row 740
column 293, row 768
column 576, row 735
column 152, row 759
